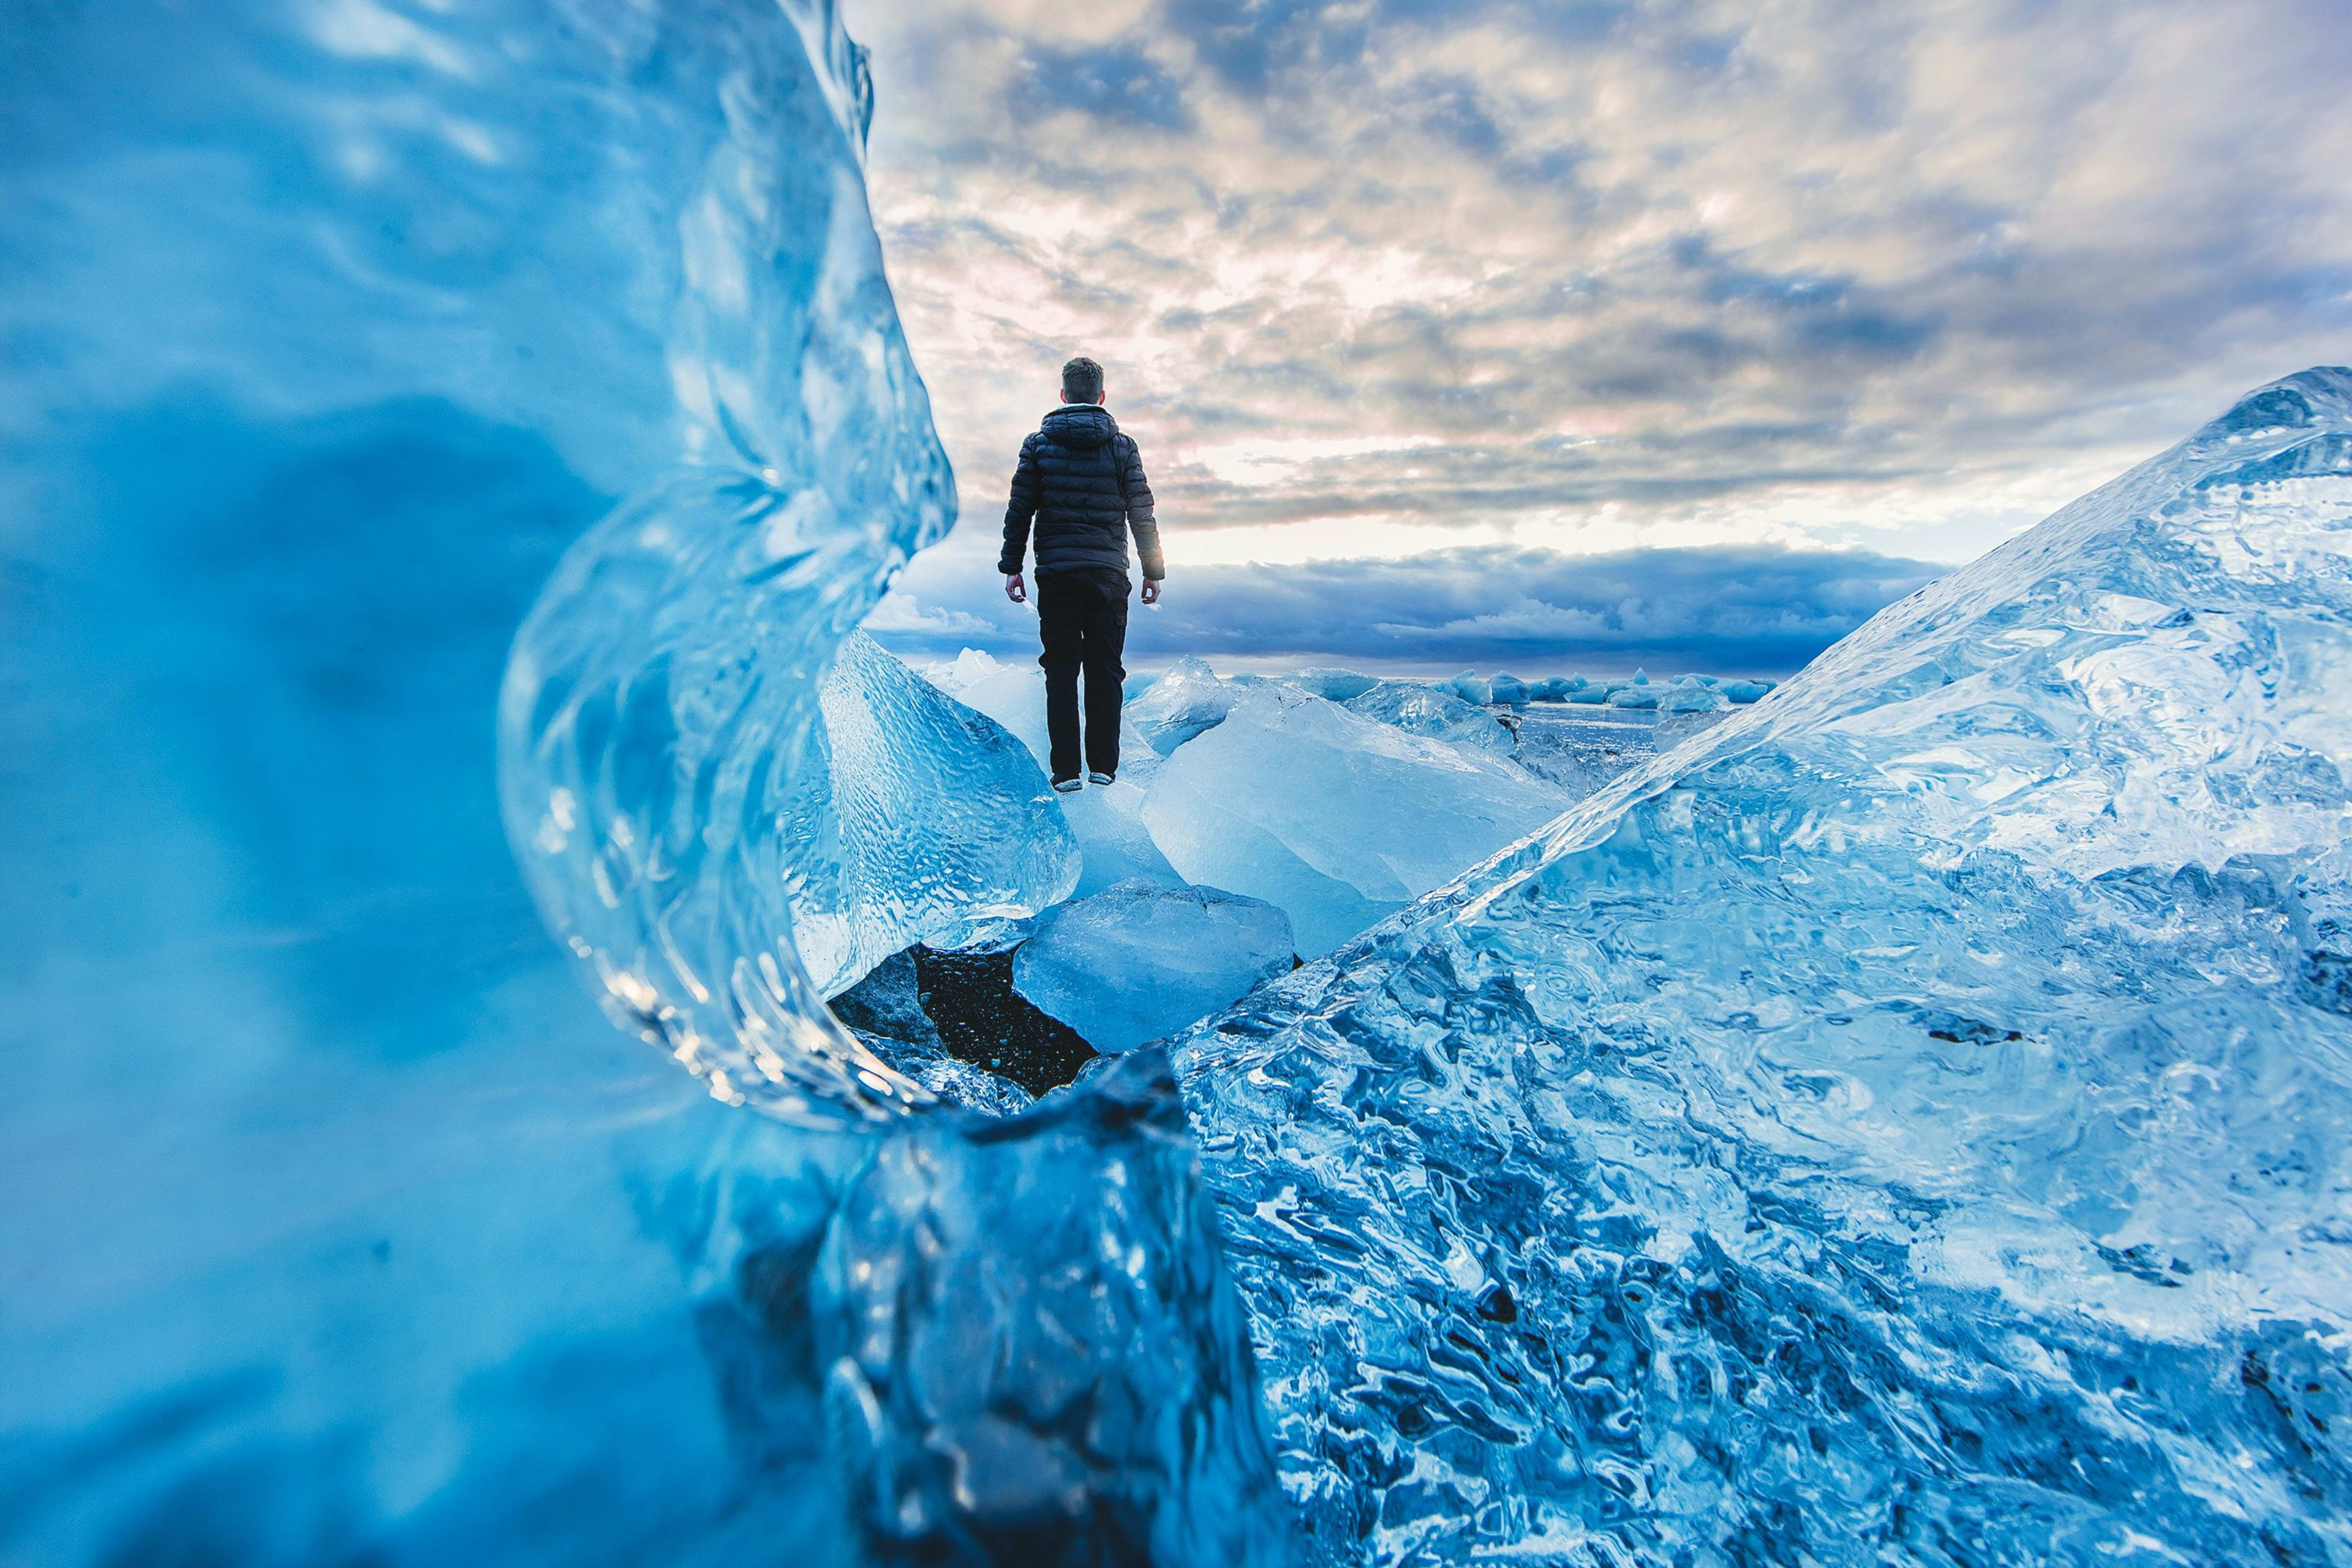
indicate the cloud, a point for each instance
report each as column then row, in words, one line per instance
column 1119, row 83
column 1532, row 257
column 903, row 615
column 1745, row 610
column 1534, row 332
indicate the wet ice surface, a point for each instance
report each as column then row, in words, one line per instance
column 1334, row 817
column 1904, row 1123
column 1139, row 961
column 1581, row 748
column 914, row 819
column 340, row 1227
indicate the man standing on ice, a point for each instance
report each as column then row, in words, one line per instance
column 1081, row 480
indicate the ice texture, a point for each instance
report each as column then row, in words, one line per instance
column 1106, row 819
column 1032, row 1352
column 1336, row 818
column 1331, row 685
column 1581, row 748
column 914, row 819
column 1906, row 1124
column 1139, row 960
column 1420, row 710
column 1187, row 701
column 1692, row 697
column 339, row 1227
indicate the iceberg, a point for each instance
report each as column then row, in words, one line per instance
column 1468, row 687
column 1188, row 701
column 1424, row 710
column 1137, row 962
column 1910, row 1121
column 1335, row 818
column 1693, row 698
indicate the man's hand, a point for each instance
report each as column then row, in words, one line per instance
column 1015, row 589
column 1150, row 590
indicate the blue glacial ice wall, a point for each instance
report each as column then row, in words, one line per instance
column 1909, row 1122
column 340, row 1225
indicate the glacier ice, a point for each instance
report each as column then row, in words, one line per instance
column 341, row 1226
column 1031, row 1345
column 1904, row 1123
column 1692, row 697
column 890, row 752
column 1106, row 820
column 1907, row 1123
column 1335, row 818
column 1581, row 748
column 1139, row 960
column 1330, row 684
column 1185, row 701
column 1420, row 710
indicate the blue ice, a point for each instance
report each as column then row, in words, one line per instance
column 1902, row 1124
column 1910, row 1121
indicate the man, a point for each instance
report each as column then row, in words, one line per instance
column 1081, row 481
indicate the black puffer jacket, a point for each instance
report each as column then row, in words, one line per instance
column 1082, row 482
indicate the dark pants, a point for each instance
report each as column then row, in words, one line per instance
column 1082, row 616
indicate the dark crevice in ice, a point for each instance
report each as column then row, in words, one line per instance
column 963, row 1006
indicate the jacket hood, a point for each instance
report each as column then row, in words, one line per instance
column 1081, row 425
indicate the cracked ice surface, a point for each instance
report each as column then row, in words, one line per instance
column 1904, row 1123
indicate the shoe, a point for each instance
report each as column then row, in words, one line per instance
column 1067, row 786
column 1102, row 778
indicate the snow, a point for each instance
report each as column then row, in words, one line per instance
column 1138, row 961
column 1336, row 818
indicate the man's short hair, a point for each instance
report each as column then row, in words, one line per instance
column 1082, row 381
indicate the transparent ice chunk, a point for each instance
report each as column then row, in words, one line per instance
column 1331, row 685
column 1916, row 1110
column 1420, row 710
column 1139, row 960
column 347, row 1231
column 914, row 819
column 1187, row 701
column 1107, row 820
column 1336, row 818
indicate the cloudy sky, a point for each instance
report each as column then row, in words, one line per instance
column 1575, row 335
